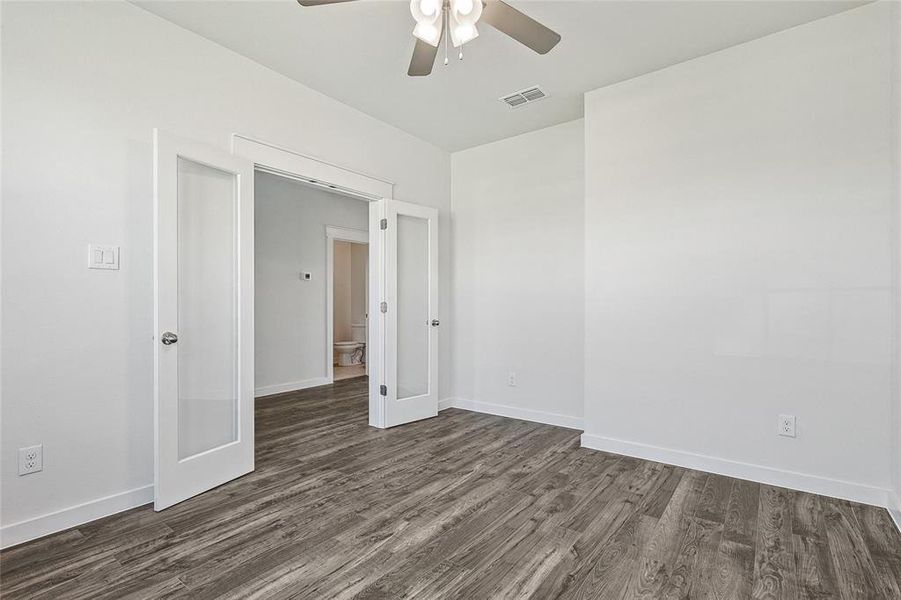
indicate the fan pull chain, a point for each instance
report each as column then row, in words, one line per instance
column 446, row 33
column 461, row 52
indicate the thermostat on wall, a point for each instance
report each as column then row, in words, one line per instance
column 306, row 275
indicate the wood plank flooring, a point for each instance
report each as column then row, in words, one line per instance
column 466, row 506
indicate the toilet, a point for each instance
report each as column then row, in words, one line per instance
column 349, row 353
column 352, row 353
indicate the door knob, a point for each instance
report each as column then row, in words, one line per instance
column 435, row 322
column 168, row 338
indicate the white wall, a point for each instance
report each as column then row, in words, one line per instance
column 350, row 268
column 518, row 275
column 290, row 327
column 342, row 292
column 739, row 259
column 83, row 84
column 359, row 261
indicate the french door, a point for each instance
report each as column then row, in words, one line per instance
column 407, row 294
column 203, row 279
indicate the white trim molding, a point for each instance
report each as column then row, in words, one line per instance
column 375, row 325
column 895, row 506
column 347, row 234
column 291, row 386
column 271, row 158
column 894, row 509
column 335, row 233
column 513, row 412
column 895, row 514
column 288, row 163
column 37, row 527
column 835, row 488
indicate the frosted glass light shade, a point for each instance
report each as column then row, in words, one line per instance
column 425, row 11
column 462, row 33
column 464, row 7
column 430, row 33
column 465, row 12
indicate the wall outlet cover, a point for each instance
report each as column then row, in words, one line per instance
column 788, row 426
column 31, row 459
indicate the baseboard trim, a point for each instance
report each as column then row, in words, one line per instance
column 291, row 386
column 895, row 514
column 513, row 412
column 37, row 527
column 835, row 488
column 894, row 509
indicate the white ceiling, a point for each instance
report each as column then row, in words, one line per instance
column 358, row 53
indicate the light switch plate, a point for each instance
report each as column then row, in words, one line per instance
column 103, row 257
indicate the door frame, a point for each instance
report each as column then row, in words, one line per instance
column 278, row 160
column 334, row 233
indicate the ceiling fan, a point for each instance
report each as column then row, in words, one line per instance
column 434, row 18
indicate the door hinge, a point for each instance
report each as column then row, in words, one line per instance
column 383, row 390
column 383, row 307
column 383, row 224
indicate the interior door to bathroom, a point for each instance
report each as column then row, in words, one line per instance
column 408, row 310
column 203, row 300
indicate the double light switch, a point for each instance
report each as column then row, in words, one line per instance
column 103, row 257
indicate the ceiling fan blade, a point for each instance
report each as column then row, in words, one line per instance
column 520, row 27
column 423, row 59
column 319, row 2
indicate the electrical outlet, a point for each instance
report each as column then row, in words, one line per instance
column 31, row 459
column 511, row 378
column 787, row 425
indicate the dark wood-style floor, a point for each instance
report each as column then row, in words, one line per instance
column 463, row 506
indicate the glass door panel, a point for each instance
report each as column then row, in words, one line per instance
column 412, row 306
column 207, row 308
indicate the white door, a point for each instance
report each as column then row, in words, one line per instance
column 408, row 261
column 203, row 279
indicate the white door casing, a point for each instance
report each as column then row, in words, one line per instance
column 335, row 233
column 272, row 158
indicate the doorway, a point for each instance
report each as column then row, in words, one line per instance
column 204, row 212
column 296, row 228
column 348, row 312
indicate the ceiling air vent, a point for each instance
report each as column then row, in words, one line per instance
column 530, row 94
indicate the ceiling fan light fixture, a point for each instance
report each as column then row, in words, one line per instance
column 428, row 14
column 466, row 12
column 455, row 20
column 430, row 33
column 463, row 33
column 463, row 16
column 426, row 10
column 464, row 7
